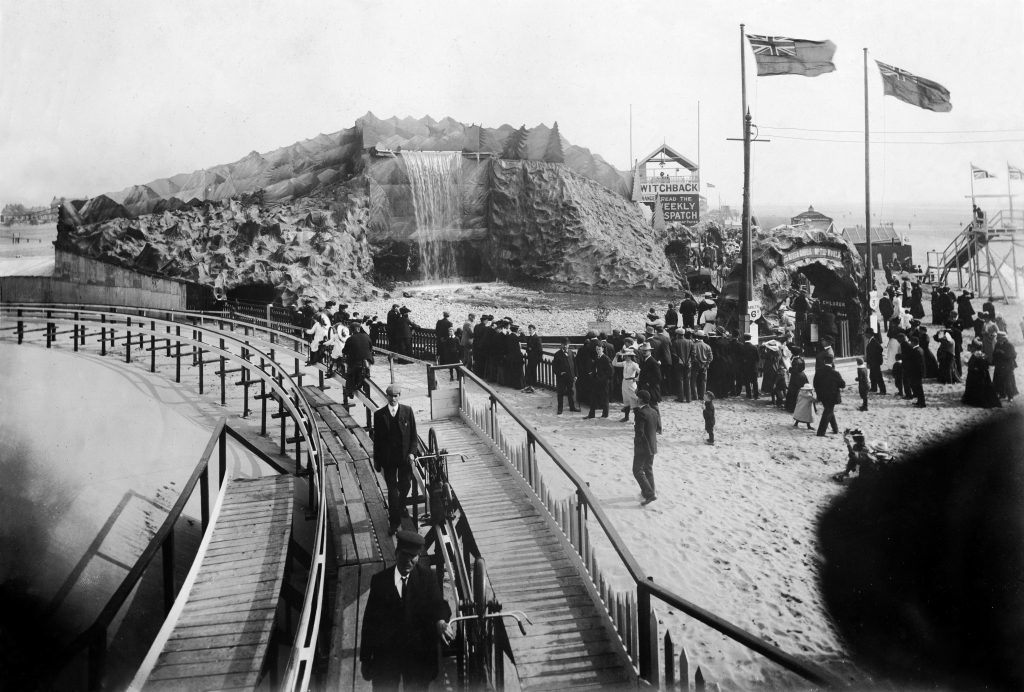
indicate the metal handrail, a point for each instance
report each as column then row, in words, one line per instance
column 645, row 584
column 95, row 636
column 189, row 316
column 298, row 671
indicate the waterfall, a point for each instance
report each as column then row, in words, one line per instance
column 436, row 182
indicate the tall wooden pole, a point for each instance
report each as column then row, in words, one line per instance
column 867, row 182
column 746, row 288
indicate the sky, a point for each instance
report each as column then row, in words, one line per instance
column 97, row 96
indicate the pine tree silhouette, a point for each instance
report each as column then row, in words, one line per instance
column 553, row 152
column 515, row 145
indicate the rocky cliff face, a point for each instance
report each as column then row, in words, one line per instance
column 533, row 207
column 547, row 222
column 311, row 248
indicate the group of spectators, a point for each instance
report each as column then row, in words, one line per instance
column 966, row 339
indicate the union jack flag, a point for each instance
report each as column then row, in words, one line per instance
column 917, row 91
column 772, row 45
column 895, row 73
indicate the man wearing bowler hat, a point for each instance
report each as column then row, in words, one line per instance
column 404, row 620
column 394, row 447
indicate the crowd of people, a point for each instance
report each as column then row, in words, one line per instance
column 682, row 353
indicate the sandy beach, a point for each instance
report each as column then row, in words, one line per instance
column 733, row 529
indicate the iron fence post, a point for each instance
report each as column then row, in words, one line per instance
column 643, row 625
column 168, row 569
column 97, row 659
column 21, row 328
column 222, row 457
column 204, row 497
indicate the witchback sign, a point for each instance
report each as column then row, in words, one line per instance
column 680, row 200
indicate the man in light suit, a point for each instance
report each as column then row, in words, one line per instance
column 405, row 617
column 394, row 449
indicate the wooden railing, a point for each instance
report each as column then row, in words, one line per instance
column 95, row 637
column 630, row 611
column 254, row 355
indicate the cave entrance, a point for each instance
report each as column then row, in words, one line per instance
column 260, row 293
column 835, row 309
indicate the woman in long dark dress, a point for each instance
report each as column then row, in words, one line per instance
column 947, row 358
column 931, row 363
column 916, row 306
column 1004, row 357
column 797, row 378
column 978, row 391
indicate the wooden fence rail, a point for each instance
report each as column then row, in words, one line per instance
column 631, row 611
column 206, row 340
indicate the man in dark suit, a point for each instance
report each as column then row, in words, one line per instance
column 828, row 385
column 404, row 620
column 671, row 318
column 358, row 352
column 650, row 377
column 874, row 355
column 394, row 448
column 403, row 332
column 688, row 310
column 682, row 348
column 534, row 355
column 661, row 342
column 441, row 331
column 826, row 353
column 392, row 327
column 748, row 359
column 913, row 369
column 645, row 445
column 564, row 365
column 601, row 377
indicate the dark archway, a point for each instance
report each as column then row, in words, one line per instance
column 835, row 310
column 253, row 293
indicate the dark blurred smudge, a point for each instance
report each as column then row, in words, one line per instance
column 923, row 563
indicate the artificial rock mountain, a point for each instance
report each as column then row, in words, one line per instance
column 308, row 218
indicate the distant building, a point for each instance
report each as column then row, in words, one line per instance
column 886, row 244
column 813, row 219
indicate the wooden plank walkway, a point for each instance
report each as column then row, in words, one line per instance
column 359, row 531
column 533, row 568
column 221, row 637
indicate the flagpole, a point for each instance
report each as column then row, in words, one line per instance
column 746, row 292
column 867, row 180
column 1009, row 191
column 973, row 203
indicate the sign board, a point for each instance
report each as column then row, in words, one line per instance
column 754, row 312
column 680, row 200
column 599, row 327
column 813, row 253
column 873, row 300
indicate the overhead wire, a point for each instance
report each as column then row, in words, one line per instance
column 897, row 132
column 775, row 135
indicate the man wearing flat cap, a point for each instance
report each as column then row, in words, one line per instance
column 441, row 328
column 403, row 332
column 404, row 620
column 394, row 448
